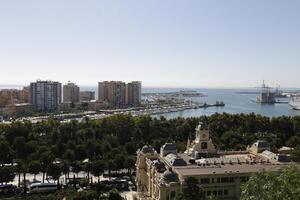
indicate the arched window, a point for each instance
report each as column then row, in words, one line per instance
column 204, row 145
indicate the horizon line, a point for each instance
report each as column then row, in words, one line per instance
column 162, row 87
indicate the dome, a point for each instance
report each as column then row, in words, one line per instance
column 170, row 176
column 147, row 149
column 169, row 147
column 159, row 166
column 174, row 160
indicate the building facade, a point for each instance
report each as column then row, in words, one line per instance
column 160, row 176
column 103, row 91
column 70, row 93
column 45, row 95
column 112, row 92
column 133, row 93
column 86, row 96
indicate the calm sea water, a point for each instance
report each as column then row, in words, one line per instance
column 234, row 103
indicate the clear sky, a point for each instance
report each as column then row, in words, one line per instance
column 183, row 43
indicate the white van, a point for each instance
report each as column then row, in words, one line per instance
column 43, row 187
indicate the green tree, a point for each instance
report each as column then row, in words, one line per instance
column 80, row 153
column 295, row 155
column 54, row 171
column 114, row 195
column 7, row 174
column 34, row 168
column 76, row 167
column 65, row 167
column 271, row 185
column 46, row 159
column 129, row 163
column 110, row 165
column 6, row 153
column 84, row 195
column 97, row 168
column 191, row 190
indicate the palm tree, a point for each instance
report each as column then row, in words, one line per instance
column 54, row 170
column 34, row 168
column 97, row 168
column 66, row 169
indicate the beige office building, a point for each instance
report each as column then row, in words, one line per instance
column 70, row 93
column 220, row 173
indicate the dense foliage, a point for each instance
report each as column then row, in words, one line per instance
column 54, row 148
column 68, row 195
column 271, row 185
column 191, row 190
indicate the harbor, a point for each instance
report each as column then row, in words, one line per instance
column 152, row 110
column 236, row 102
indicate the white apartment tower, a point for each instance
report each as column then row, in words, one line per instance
column 45, row 95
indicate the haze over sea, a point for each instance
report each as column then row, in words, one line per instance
column 234, row 103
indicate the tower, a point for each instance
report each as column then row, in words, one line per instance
column 202, row 146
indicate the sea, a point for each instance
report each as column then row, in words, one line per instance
column 235, row 101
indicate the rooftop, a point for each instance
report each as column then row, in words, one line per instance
column 237, row 163
column 194, row 170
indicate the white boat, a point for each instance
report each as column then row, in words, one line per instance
column 295, row 103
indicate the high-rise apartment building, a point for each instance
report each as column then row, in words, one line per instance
column 45, row 95
column 70, row 93
column 112, row 92
column 133, row 93
column 103, row 91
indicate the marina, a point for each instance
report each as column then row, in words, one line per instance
column 153, row 110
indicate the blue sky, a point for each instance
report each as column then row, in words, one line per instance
column 177, row 43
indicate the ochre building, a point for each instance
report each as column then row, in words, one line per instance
column 220, row 173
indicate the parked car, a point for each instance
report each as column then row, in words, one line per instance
column 8, row 189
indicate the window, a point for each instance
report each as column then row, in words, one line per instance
column 225, row 192
column 173, row 194
column 244, row 178
column 203, row 145
column 204, row 180
column 231, row 179
column 220, row 192
column 215, row 192
column 208, row 193
column 218, row 180
column 212, row 180
column 224, row 180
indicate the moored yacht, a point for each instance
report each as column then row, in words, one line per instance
column 295, row 103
